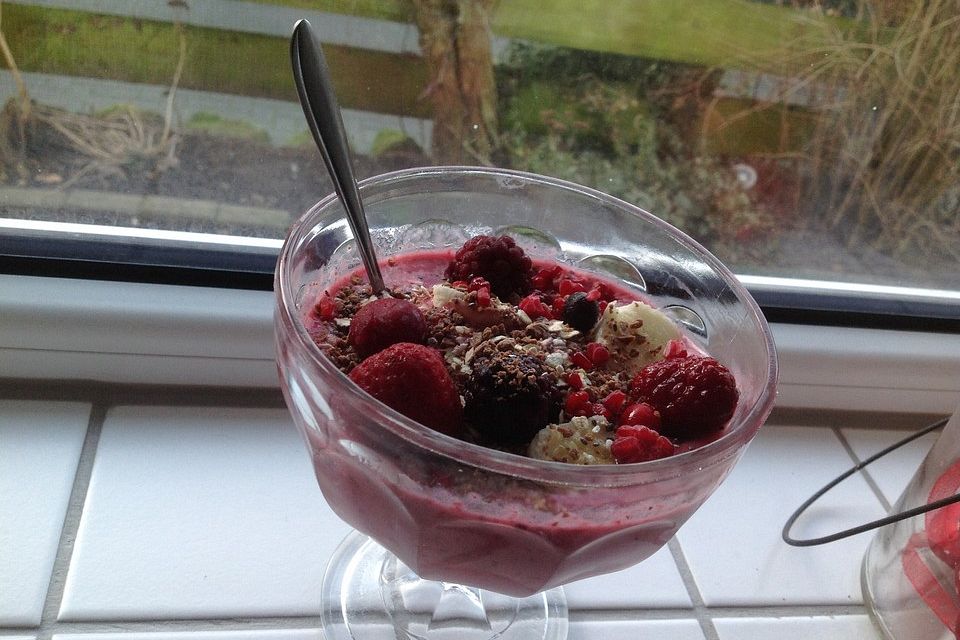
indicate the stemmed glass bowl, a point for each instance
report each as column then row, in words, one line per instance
column 463, row 541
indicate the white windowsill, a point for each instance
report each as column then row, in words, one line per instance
column 158, row 334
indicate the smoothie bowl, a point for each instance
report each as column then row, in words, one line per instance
column 497, row 493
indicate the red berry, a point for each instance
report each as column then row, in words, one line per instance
column 496, row 259
column 614, row 402
column 483, row 297
column 574, row 380
column 383, row 322
column 325, row 308
column 543, row 279
column 639, row 444
column 580, row 359
column 576, row 403
column 557, row 306
column 477, row 283
column 599, row 409
column 533, row 306
column 597, row 353
column 606, row 293
column 675, row 349
column 568, row 286
column 641, row 413
column 413, row 380
column 695, row 395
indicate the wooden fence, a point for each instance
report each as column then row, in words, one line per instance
column 106, row 40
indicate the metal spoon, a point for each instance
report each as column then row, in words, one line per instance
column 322, row 112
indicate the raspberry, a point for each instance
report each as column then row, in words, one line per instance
column 413, row 380
column 694, row 395
column 509, row 396
column 384, row 322
column 498, row 260
column 639, row 444
column 580, row 312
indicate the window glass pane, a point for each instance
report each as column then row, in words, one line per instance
column 814, row 139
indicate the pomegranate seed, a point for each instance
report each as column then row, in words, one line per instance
column 606, row 293
column 602, row 304
column 581, row 360
column 483, row 297
column 597, row 353
column 459, row 284
column 326, row 309
column 543, row 279
column 533, row 306
column 478, row 283
column 558, row 304
column 576, row 403
column 594, row 294
column 641, row 414
column 615, row 401
column 568, row 286
column 574, row 380
column 675, row 349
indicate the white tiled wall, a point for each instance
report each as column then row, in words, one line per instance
column 205, row 523
column 40, row 444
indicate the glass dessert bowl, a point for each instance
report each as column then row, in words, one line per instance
column 499, row 530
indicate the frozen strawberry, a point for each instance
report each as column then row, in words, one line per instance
column 384, row 322
column 496, row 259
column 695, row 395
column 412, row 379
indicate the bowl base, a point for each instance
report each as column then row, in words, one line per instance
column 369, row 594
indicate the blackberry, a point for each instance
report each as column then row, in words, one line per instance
column 497, row 259
column 580, row 312
column 509, row 396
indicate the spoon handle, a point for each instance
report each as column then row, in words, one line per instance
column 322, row 112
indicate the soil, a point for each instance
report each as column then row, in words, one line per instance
column 255, row 174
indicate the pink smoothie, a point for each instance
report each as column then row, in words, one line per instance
column 452, row 521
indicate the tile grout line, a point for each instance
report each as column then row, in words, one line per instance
column 700, row 611
column 71, row 522
column 864, row 473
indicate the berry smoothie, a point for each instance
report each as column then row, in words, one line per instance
column 529, row 358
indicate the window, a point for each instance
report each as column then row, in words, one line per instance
column 803, row 141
